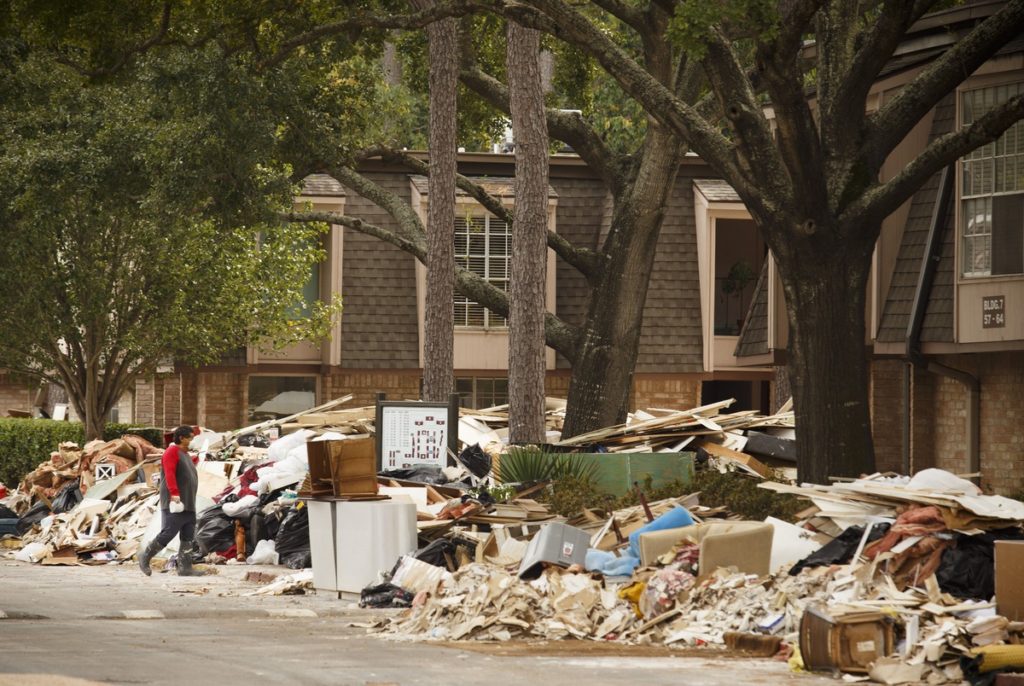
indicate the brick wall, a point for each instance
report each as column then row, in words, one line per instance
column 189, row 398
column 923, row 437
column 886, row 388
column 939, row 408
column 172, row 400
column 557, row 385
column 668, row 392
column 398, row 385
column 15, row 393
column 145, row 411
column 221, row 398
column 159, row 401
column 226, row 396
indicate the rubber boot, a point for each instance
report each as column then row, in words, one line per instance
column 185, row 560
column 145, row 556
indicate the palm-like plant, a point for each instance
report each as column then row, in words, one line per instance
column 534, row 464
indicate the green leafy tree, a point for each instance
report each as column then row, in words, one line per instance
column 810, row 177
column 138, row 228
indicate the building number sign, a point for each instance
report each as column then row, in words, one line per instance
column 993, row 312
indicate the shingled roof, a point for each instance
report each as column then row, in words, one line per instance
column 716, row 190
column 322, row 185
column 754, row 336
column 938, row 319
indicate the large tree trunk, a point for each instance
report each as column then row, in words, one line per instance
column 439, row 337
column 602, row 375
column 828, row 360
column 526, row 368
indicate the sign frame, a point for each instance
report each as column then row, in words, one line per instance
column 993, row 312
column 396, row 422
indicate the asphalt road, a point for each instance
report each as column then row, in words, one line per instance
column 65, row 624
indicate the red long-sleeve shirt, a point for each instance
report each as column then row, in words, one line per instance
column 170, row 464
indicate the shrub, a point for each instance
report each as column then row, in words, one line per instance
column 152, row 434
column 25, row 443
column 569, row 495
column 740, row 495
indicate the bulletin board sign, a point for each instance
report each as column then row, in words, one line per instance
column 410, row 434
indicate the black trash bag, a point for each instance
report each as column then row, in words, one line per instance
column 254, row 440
column 215, row 531
column 67, row 497
column 7, row 513
column 292, row 541
column 434, row 553
column 971, row 669
column 385, row 595
column 967, row 568
column 476, row 461
column 255, row 530
column 840, row 549
column 272, row 524
column 424, row 474
column 272, row 496
column 35, row 514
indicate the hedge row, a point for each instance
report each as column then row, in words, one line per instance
column 25, row 443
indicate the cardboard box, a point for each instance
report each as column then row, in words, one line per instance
column 849, row 643
column 342, row 468
column 1009, row 571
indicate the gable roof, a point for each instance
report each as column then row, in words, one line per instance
column 938, row 319
column 322, row 185
column 716, row 190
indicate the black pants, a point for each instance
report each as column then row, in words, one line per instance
column 181, row 524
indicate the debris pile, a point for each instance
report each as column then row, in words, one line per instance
column 904, row 592
column 485, row 602
column 887, row 577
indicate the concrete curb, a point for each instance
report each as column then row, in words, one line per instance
column 20, row 615
column 261, row 613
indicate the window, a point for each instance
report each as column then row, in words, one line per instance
column 482, row 245
column 273, row 397
column 310, row 290
column 480, row 392
column 992, row 192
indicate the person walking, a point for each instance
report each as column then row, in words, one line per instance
column 179, row 483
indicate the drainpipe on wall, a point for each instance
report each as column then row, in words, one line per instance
column 926, row 277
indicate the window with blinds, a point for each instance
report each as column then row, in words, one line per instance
column 992, row 192
column 483, row 245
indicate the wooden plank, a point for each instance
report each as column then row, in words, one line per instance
column 284, row 420
column 747, row 461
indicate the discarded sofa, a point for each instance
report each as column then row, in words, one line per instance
column 744, row 545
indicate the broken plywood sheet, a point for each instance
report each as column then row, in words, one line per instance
column 746, row 462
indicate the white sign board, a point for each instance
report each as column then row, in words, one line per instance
column 413, row 435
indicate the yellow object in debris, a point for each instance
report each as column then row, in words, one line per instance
column 632, row 593
column 796, row 661
column 995, row 657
